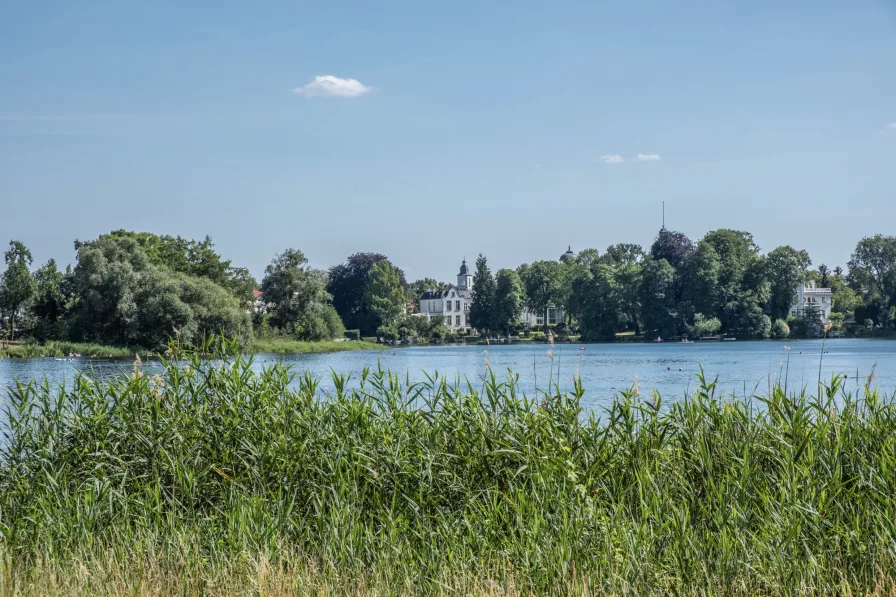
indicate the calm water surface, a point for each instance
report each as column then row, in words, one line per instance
column 743, row 368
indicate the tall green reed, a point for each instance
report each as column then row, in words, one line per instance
column 212, row 462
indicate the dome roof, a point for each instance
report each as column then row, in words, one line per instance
column 568, row 255
column 463, row 268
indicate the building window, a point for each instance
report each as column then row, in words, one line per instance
column 447, row 320
column 447, row 305
column 452, row 293
column 457, row 305
column 466, row 306
column 457, row 320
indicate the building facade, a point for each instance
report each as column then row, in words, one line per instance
column 453, row 304
column 810, row 296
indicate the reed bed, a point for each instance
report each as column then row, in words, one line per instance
column 214, row 479
column 53, row 348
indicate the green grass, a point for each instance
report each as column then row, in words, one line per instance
column 282, row 346
column 278, row 346
column 62, row 349
column 216, row 479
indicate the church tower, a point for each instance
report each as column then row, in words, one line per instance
column 464, row 279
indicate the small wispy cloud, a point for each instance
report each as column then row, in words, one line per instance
column 330, row 86
column 890, row 127
column 611, row 158
column 648, row 157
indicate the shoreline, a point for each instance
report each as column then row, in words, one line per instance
column 66, row 350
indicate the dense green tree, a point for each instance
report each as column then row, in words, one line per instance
column 194, row 258
column 587, row 257
column 508, row 299
column 17, row 286
column 384, row 295
column 785, row 269
column 872, row 269
column 824, row 271
column 298, row 298
column 702, row 281
column 627, row 260
column 124, row 299
column 658, row 306
column 545, row 286
column 602, row 304
column 347, row 283
column 845, row 300
column 482, row 316
column 51, row 302
column 676, row 248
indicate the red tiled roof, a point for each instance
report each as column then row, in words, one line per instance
column 257, row 293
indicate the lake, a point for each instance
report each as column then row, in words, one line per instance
column 742, row 367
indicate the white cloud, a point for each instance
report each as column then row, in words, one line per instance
column 891, row 126
column 330, row 86
column 611, row 158
column 648, row 157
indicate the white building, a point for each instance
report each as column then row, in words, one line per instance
column 808, row 295
column 452, row 305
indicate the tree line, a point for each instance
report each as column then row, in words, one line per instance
column 722, row 284
column 138, row 289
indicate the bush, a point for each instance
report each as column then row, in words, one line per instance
column 353, row 334
column 780, row 330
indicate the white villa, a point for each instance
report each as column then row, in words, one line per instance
column 809, row 295
column 453, row 305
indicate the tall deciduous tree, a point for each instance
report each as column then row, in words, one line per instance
column 626, row 259
column 481, row 315
column 347, row 283
column 602, row 305
column 544, row 282
column 675, row 247
column 51, row 302
column 824, row 271
column 298, row 296
column 508, row 300
column 658, row 306
column 872, row 268
column 785, row 269
column 384, row 295
column 17, row 287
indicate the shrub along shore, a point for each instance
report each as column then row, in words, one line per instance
column 213, row 478
column 54, row 349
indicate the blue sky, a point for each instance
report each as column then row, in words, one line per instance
column 507, row 128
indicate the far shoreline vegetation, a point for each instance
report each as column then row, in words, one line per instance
column 128, row 292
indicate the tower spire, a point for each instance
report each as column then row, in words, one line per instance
column 664, row 215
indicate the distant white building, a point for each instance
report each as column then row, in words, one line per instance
column 809, row 296
column 452, row 305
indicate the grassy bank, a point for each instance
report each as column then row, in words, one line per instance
column 226, row 481
column 63, row 349
column 280, row 346
column 25, row 350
